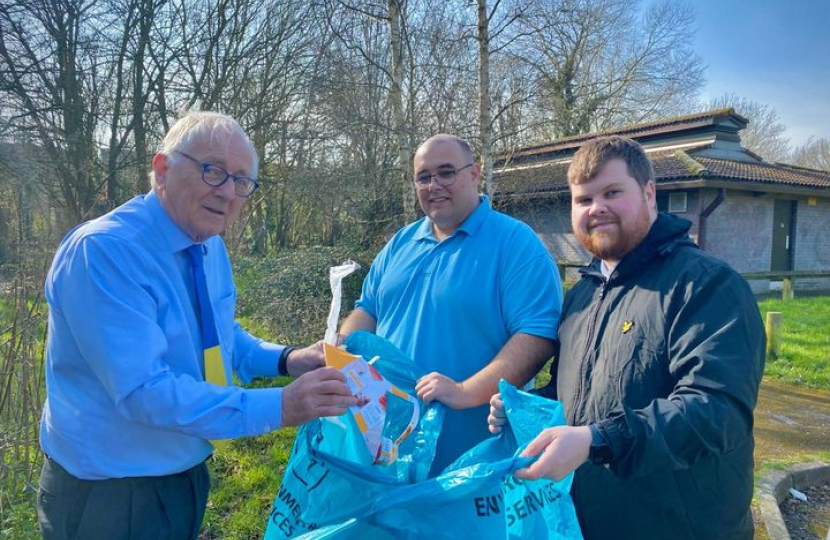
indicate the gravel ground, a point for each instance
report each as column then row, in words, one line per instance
column 808, row 520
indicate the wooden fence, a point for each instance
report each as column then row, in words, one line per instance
column 787, row 277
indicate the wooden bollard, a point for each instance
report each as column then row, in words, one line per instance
column 773, row 328
column 787, row 289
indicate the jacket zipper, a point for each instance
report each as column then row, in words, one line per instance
column 591, row 329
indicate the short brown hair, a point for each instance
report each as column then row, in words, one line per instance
column 596, row 153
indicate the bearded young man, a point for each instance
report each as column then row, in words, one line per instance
column 661, row 351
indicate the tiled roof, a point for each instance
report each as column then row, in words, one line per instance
column 657, row 127
column 668, row 166
column 549, row 177
column 765, row 173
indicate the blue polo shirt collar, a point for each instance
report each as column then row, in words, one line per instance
column 470, row 226
column 169, row 231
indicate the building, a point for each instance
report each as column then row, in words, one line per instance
column 757, row 216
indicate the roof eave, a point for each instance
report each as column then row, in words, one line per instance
column 734, row 184
column 737, row 184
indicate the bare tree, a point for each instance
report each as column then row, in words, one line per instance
column 599, row 64
column 442, row 85
column 396, row 22
column 814, row 154
column 393, row 16
column 132, row 22
column 494, row 35
column 51, row 74
column 485, row 127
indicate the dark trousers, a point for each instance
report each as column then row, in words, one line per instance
column 140, row 508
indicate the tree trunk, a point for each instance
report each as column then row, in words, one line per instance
column 484, row 122
column 396, row 97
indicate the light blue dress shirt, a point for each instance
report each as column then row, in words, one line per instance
column 452, row 305
column 126, row 394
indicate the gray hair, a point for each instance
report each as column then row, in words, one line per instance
column 215, row 127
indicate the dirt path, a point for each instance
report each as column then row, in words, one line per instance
column 790, row 421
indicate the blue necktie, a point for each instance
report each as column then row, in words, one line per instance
column 214, row 365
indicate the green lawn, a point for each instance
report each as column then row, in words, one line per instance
column 246, row 477
column 805, row 361
column 805, row 347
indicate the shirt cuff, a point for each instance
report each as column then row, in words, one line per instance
column 264, row 360
column 263, row 410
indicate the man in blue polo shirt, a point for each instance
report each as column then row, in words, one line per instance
column 469, row 293
column 138, row 301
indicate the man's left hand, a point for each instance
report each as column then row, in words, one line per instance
column 302, row 361
column 437, row 387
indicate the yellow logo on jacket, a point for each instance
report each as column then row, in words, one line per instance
column 627, row 326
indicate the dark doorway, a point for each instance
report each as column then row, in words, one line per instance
column 782, row 237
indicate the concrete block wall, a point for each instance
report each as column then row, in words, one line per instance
column 694, row 204
column 811, row 248
column 551, row 219
column 812, row 235
column 739, row 231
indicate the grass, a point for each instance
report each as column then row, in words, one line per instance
column 805, row 361
column 245, row 480
column 805, row 345
column 275, row 302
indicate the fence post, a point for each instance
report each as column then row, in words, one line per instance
column 787, row 289
column 563, row 270
column 773, row 329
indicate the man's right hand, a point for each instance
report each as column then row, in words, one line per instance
column 561, row 450
column 497, row 417
column 322, row 392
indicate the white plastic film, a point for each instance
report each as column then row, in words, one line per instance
column 336, row 275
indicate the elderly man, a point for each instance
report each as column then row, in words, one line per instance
column 469, row 293
column 661, row 354
column 141, row 345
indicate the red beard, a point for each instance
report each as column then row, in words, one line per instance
column 616, row 242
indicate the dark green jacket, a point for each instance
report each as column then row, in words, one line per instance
column 665, row 358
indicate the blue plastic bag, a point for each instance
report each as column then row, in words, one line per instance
column 328, row 477
column 326, row 493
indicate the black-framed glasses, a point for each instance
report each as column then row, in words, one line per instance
column 214, row 175
column 444, row 176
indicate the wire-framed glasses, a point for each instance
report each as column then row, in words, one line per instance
column 214, row 175
column 444, row 176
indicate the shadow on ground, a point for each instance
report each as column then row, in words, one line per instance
column 790, row 421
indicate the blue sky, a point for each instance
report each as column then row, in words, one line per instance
column 770, row 51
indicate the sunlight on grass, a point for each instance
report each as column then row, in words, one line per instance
column 805, row 347
column 247, row 476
